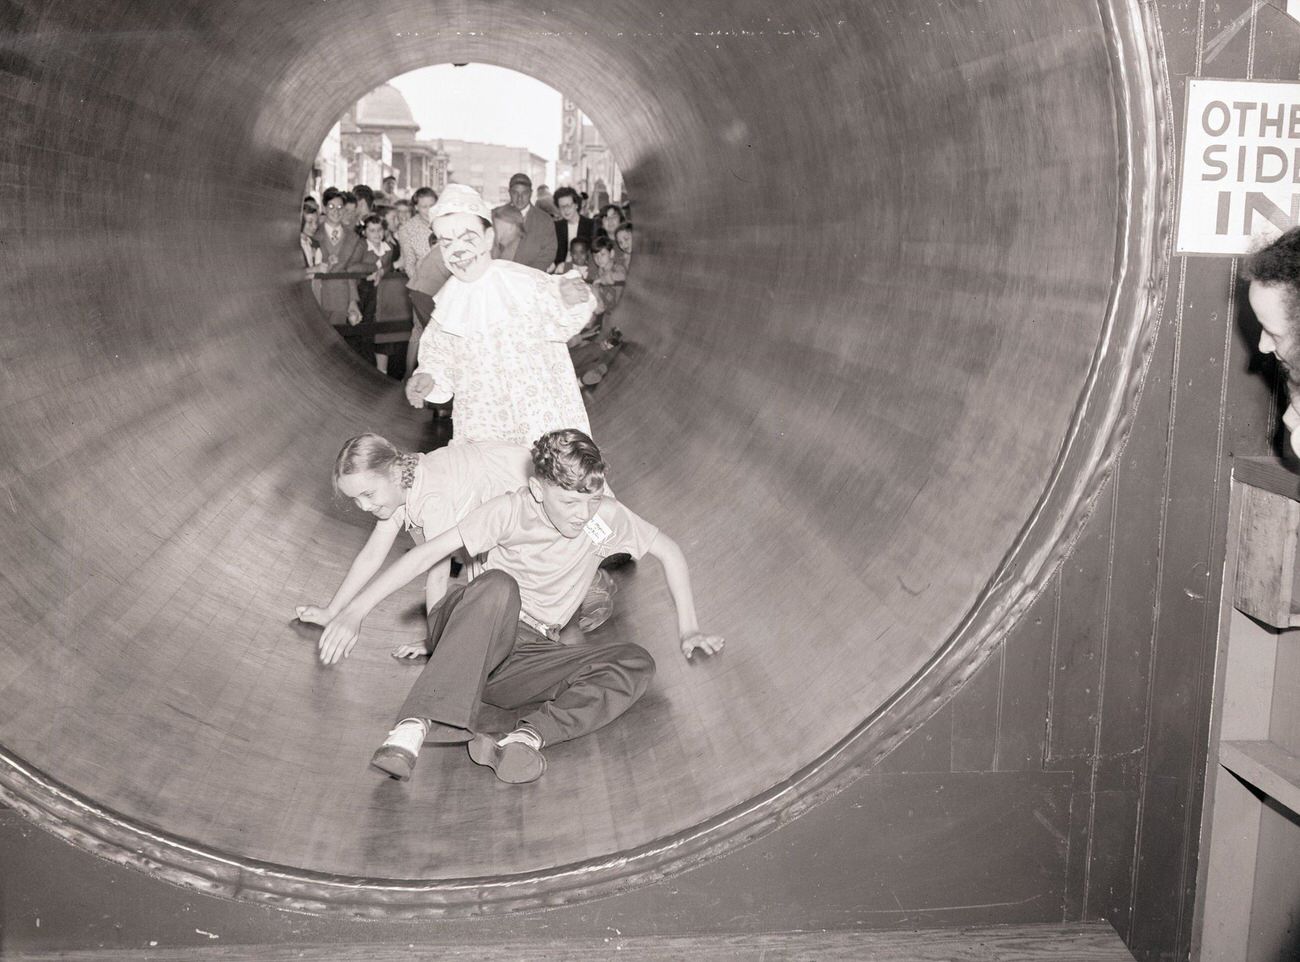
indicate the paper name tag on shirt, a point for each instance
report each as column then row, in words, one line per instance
column 597, row 530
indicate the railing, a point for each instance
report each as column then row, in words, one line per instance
column 392, row 323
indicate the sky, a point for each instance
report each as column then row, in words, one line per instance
column 486, row 104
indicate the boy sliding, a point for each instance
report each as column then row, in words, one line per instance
column 497, row 638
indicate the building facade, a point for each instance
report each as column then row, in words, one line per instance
column 488, row 167
column 584, row 159
column 330, row 167
column 378, row 139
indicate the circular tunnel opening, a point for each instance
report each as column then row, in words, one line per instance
column 890, row 347
column 364, row 231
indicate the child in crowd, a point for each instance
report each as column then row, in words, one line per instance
column 375, row 257
column 579, row 258
column 591, row 349
column 496, row 639
column 609, row 277
column 623, row 238
column 498, row 341
column 403, row 208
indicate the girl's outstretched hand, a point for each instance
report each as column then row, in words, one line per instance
column 313, row 615
column 410, row 652
column 699, row 641
column 339, row 636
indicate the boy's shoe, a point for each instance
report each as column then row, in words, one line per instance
column 396, row 756
column 594, row 375
column 516, row 758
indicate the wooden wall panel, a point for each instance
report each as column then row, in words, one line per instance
column 976, row 714
column 1134, row 608
column 1026, row 684
column 928, row 749
column 1078, row 661
column 1140, row 511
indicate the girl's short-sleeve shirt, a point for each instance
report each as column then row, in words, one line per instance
column 450, row 482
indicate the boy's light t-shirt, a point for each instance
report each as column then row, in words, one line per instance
column 452, row 481
column 553, row 572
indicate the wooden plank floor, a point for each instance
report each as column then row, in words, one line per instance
column 1090, row 942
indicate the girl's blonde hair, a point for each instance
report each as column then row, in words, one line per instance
column 370, row 452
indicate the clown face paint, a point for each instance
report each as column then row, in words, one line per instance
column 465, row 243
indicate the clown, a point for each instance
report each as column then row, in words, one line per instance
column 497, row 341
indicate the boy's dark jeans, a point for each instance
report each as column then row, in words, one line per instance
column 481, row 652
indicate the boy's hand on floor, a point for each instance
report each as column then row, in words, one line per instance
column 410, row 652
column 699, row 641
column 313, row 615
column 337, row 639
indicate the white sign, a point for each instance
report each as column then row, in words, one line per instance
column 1241, row 164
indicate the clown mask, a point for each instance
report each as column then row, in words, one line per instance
column 466, row 244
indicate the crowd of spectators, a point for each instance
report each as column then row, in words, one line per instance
column 351, row 240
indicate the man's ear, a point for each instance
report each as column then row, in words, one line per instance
column 535, row 489
column 490, row 236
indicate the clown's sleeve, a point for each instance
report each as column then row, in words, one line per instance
column 558, row 321
column 437, row 358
